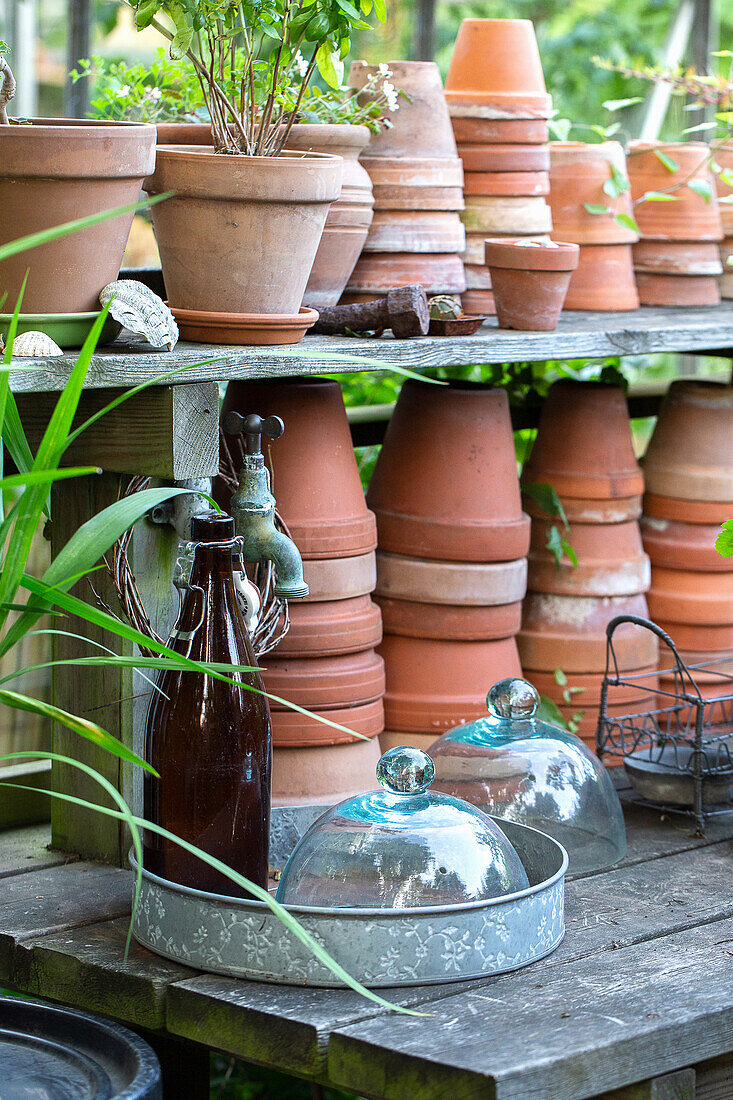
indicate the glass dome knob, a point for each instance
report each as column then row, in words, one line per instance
column 404, row 770
column 514, row 699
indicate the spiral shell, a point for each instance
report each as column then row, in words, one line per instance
column 35, row 345
column 140, row 310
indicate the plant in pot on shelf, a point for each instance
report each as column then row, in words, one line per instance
column 256, row 209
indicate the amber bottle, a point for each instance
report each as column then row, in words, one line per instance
column 209, row 741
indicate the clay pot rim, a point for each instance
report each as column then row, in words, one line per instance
column 304, row 317
column 351, row 135
column 242, row 329
column 405, row 162
column 537, row 256
column 86, row 142
column 541, row 101
column 287, row 157
column 103, row 127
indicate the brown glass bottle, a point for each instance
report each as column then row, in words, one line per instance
column 209, row 741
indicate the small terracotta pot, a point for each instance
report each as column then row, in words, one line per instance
column 243, row 329
column 496, row 64
column 692, row 598
column 321, row 683
column 611, row 561
column 475, row 250
column 500, row 131
column 479, row 303
column 448, row 582
column 689, row 217
column 415, row 231
column 582, row 510
column 445, row 484
column 726, row 261
column 290, row 729
column 507, row 183
column 323, row 775
column 529, row 281
column 421, row 126
column 496, row 214
column 393, row 739
column 677, row 258
column 569, row 632
column 378, row 272
column 687, row 511
column 676, row 545
column 315, row 477
column 339, row 578
column 448, row 622
column 478, row 277
column 578, row 173
column 433, row 685
column 677, row 290
column 505, row 158
column 584, row 447
column 331, row 628
column 696, row 638
column 689, row 456
column 604, row 279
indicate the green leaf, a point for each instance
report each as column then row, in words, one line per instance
column 549, row 711
column 721, row 53
column 349, row 9
column 700, row 126
column 560, row 128
column 380, row 10
column 554, row 544
column 597, row 208
column 670, row 164
column 724, row 541
column 726, row 176
column 619, row 104
column 38, row 477
column 330, row 65
column 546, row 496
column 617, row 184
column 569, row 553
column 703, row 188
column 628, row 221
column 658, row 196
column 560, row 677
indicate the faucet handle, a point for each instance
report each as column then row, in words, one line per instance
column 253, row 427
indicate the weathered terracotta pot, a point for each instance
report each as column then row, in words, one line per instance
column 262, row 217
column 416, row 231
column 339, row 578
column 507, row 183
column 696, row 638
column 677, row 258
column 290, row 729
column 422, row 126
column 461, row 584
column 692, row 598
column 475, row 250
column 445, row 621
column 588, row 723
column 678, row 545
column 578, row 173
column 477, row 277
column 580, row 510
column 316, row 479
column 677, row 290
column 240, row 329
column 687, row 511
column 497, row 214
column 184, row 133
column 433, row 685
column 496, row 65
column 54, row 171
column 689, row 456
column 321, row 683
column 590, row 682
column 479, row 303
column 393, row 739
column 529, row 281
column 724, row 157
column 584, row 447
column 611, row 561
column 690, row 217
column 569, row 632
column 726, row 261
column 332, row 627
column 504, row 158
column 714, row 712
column 378, row 272
column 500, row 131
column 604, row 279
column 416, row 183
column 303, row 776
column 445, row 484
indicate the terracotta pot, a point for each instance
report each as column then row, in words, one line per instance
column 262, row 217
column 496, row 64
column 677, row 290
column 477, row 277
column 507, row 183
column 422, row 126
column 496, row 214
column 724, row 157
column 240, row 329
column 723, row 663
column 349, row 218
column 716, row 698
column 698, row 638
column 449, row 582
column 578, row 173
column 611, row 561
column 646, row 680
column 687, row 511
column 677, row 258
column 183, row 133
column 433, row 685
column 726, row 260
column 689, row 217
column 689, row 456
column 378, row 272
column 324, row 775
column 588, row 723
column 415, row 231
column 290, row 729
column 407, row 197
column 394, row 739
column 692, row 598
column 56, row 170
column 445, row 484
column 588, row 510
column 321, row 683
column 569, row 632
column 315, row 477
column 479, row 303
column 529, row 281
column 413, row 171
column 604, row 279
column 678, row 545
column 330, row 628
column 505, row 158
column 475, row 250
column 584, row 447
column 448, row 622
column 340, row 578
column 500, row 131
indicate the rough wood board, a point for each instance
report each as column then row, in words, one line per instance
column 672, row 1086
column 23, row 850
column 714, row 1079
column 578, row 334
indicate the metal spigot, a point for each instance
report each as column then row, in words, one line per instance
column 253, row 506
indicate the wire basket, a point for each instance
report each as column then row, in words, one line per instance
column 678, row 750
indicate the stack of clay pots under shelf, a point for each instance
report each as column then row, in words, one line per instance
column 497, row 99
column 451, row 560
column 724, row 157
column 677, row 260
column 327, row 661
column 584, row 450
column 416, row 235
column 688, row 470
column 604, row 277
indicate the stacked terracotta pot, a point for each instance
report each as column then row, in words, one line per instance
column 604, row 277
column 416, row 235
column 724, row 157
column 327, row 661
column 677, row 260
column 499, row 106
column 688, row 470
column 584, row 451
column 451, row 559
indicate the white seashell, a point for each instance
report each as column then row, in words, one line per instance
column 140, row 310
column 35, row 345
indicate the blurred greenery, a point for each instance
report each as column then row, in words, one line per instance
column 235, row 1080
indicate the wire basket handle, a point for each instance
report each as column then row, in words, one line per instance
column 647, row 624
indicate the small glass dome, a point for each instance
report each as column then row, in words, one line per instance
column 513, row 765
column 401, row 847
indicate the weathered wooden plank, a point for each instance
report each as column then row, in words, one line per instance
column 672, row 1086
column 714, row 1079
column 27, row 849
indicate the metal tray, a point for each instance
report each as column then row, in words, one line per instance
column 665, row 776
column 379, row 947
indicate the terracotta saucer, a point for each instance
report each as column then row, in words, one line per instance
column 203, row 327
column 461, row 326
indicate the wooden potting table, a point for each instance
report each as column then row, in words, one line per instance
column 642, row 985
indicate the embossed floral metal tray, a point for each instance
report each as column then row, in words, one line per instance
column 379, row 947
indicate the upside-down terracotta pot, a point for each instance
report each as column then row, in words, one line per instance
column 54, row 171
column 677, row 290
column 416, row 231
column 478, row 277
column 603, row 279
column 693, row 598
column 478, row 303
column 421, row 126
column 315, row 477
column 339, row 578
column 529, row 281
column 585, row 688
column 578, row 173
column 416, row 183
column 584, row 447
column 394, row 739
column 505, row 158
column 322, row 683
column 496, row 66
column 690, row 217
column 291, row 729
column 500, row 131
column 687, row 511
column 724, row 188
column 580, row 510
column 677, row 545
column 331, row 627
column 445, row 483
column 456, row 583
column 458, row 623
column 433, row 685
column 690, row 456
column 378, row 272
column 677, row 258
column 508, row 214
column 697, row 638
column 507, row 183
column 726, row 262
column 611, row 561
column 588, row 721
column 325, row 774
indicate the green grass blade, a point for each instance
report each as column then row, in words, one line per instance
column 41, row 477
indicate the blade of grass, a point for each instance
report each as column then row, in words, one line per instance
column 40, row 477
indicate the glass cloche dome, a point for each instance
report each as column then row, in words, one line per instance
column 513, row 765
column 401, row 847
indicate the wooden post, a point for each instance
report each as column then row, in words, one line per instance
column 425, row 30
column 76, row 96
